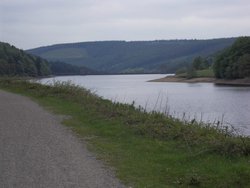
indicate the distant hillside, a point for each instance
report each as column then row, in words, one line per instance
column 61, row 68
column 15, row 62
column 130, row 57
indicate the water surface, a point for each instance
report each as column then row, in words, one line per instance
column 202, row 101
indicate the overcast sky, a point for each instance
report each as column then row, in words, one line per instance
column 33, row 23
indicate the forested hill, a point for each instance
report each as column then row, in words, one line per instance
column 61, row 68
column 15, row 62
column 234, row 62
column 132, row 57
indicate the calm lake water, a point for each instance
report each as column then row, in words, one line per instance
column 202, row 101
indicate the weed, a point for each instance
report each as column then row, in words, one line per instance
column 147, row 149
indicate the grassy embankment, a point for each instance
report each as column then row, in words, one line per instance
column 146, row 149
column 206, row 73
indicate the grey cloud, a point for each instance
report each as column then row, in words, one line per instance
column 31, row 23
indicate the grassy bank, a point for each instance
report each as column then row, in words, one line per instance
column 146, row 149
column 206, row 73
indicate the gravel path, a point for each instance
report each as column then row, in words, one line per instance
column 36, row 151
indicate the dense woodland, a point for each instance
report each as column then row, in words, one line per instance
column 164, row 56
column 234, row 62
column 61, row 68
column 230, row 63
column 16, row 62
column 199, row 64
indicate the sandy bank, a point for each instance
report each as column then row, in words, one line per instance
column 237, row 82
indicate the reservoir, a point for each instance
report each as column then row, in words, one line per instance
column 226, row 105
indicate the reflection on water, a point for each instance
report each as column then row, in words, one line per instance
column 203, row 101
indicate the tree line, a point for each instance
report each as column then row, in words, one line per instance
column 234, row 62
column 163, row 56
column 198, row 64
column 231, row 63
column 15, row 62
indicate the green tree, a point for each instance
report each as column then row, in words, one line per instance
column 3, row 67
column 233, row 62
column 244, row 65
column 16, row 62
column 191, row 73
column 200, row 64
column 197, row 63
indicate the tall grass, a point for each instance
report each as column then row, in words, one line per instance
column 220, row 139
column 147, row 149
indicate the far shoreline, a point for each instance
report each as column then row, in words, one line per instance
column 235, row 82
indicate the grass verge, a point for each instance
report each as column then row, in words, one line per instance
column 146, row 149
column 206, row 73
